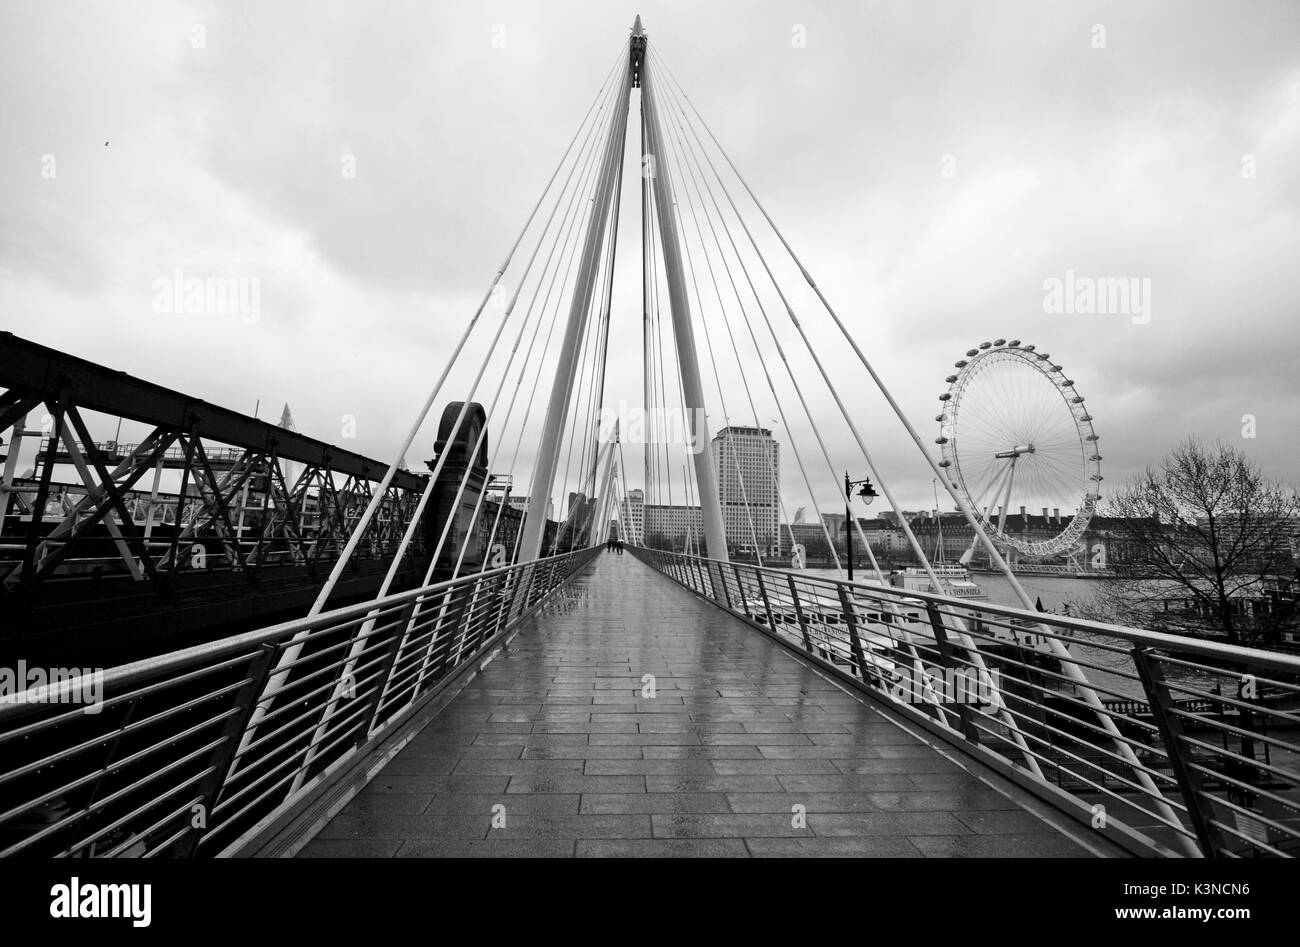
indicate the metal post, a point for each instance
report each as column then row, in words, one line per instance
column 223, row 758
column 455, row 611
column 848, row 522
column 340, row 689
column 519, row 594
column 385, row 673
column 851, row 622
column 798, row 613
column 557, row 410
column 11, row 464
column 740, row 589
column 42, row 496
column 172, row 556
column 603, row 502
column 1190, row 783
column 482, row 633
column 948, row 660
column 726, row 592
column 767, row 603
column 688, row 364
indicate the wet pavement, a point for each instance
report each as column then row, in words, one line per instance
column 558, row 749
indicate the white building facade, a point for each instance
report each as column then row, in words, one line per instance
column 748, row 465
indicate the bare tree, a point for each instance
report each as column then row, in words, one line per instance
column 1206, row 531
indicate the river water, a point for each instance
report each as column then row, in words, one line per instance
column 1055, row 590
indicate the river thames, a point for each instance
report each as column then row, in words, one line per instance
column 1054, row 590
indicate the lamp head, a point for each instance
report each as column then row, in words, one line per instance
column 867, row 492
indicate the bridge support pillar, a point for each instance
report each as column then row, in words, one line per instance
column 688, row 363
column 557, row 410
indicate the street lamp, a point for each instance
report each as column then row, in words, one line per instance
column 868, row 493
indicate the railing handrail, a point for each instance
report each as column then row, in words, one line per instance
column 1281, row 661
column 159, row 742
column 16, row 705
column 1212, row 769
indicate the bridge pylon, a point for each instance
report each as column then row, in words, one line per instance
column 605, row 205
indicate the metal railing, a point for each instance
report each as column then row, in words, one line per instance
column 167, row 758
column 1166, row 745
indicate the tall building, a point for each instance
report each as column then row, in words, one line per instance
column 748, row 465
column 673, row 527
column 661, row 526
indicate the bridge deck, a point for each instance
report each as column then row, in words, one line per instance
column 738, row 733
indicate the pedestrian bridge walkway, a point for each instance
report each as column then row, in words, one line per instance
column 557, row 749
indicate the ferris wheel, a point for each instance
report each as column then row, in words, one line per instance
column 1016, row 437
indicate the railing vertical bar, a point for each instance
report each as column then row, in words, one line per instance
column 386, row 672
column 1190, row 783
column 767, row 603
column 851, row 620
column 740, row 589
column 802, row 618
column 948, row 660
column 259, row 671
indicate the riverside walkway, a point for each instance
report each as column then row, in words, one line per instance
column 553, row 750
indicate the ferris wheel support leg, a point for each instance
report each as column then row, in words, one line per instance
column 1006, row 498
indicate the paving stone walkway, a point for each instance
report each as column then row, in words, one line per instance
column 556, row 744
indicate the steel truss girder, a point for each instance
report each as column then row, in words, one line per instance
column 239, row 509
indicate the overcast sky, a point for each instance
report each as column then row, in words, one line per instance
column 209, row 138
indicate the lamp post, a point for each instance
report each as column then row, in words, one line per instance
column 868, row 493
